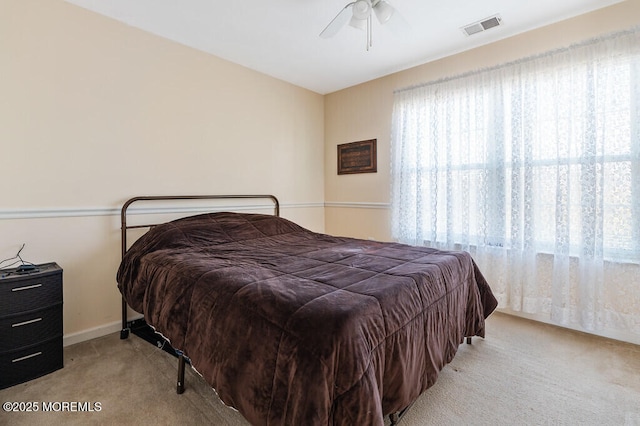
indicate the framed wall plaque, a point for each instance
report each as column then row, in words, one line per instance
column 357, row 157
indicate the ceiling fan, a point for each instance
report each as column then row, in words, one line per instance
column 360, row 13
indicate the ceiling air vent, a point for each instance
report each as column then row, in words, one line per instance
column 485, row 24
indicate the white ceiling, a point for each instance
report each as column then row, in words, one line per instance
column 280, row 38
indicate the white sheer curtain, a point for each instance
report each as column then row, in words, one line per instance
column 534, row 168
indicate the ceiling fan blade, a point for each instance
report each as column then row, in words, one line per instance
column 337, row 23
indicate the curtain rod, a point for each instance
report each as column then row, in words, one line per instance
column 631, row 31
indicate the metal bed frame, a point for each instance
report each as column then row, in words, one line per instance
column 129, row 326
column 124, row 333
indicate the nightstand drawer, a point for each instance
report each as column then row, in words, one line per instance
column 31, row 362
column 30, row 328
column 19, row 293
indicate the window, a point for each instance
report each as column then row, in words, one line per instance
column 540, row 156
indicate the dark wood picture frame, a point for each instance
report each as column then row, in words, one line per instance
column 357, row 157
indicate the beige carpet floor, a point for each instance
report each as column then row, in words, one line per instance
column 523, row 373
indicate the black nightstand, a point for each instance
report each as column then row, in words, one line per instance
column 30, row 323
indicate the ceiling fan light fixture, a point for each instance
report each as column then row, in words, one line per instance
column 383, row 11
column 361, row 10
column 360, row 24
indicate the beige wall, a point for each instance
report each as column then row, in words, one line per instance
column 93, row 112
column 357, row 205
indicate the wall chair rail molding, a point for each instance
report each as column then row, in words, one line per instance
column 43, row 213
column 357, row 205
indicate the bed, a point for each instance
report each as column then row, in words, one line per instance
column 294, row 327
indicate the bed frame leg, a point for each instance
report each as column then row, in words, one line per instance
column 394, row 418
column 124, row 332
column 180, row 385
column 468, row 340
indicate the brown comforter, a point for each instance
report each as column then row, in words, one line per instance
column 299, row 328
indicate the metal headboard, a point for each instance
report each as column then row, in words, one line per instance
column 124, row 333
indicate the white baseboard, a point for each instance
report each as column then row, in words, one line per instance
column 95, row 332
column 622, row 336
column 91, row 333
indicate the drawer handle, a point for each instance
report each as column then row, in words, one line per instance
column 29, row 287
column 20, row 324
column 26, row 357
